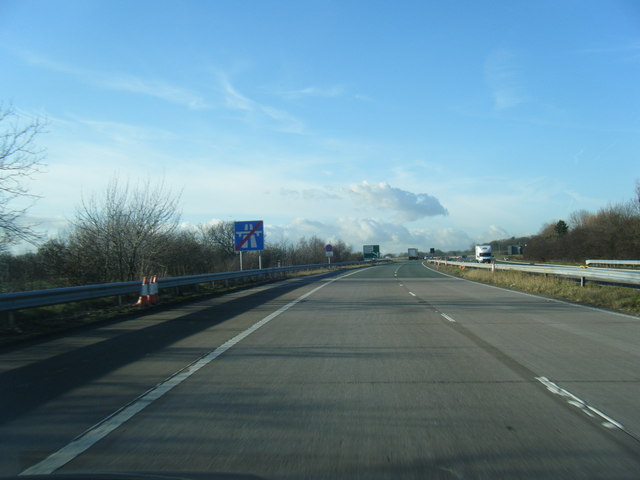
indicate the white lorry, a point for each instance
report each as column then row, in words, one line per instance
column 413, row 254
column 484, row 254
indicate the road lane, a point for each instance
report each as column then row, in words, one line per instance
column 54, row 390
column 364, row 380
column 593, row 353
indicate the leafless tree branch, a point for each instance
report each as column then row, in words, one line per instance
column 20, row 159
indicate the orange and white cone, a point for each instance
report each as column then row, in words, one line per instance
column 143, row 300
column 154, row 298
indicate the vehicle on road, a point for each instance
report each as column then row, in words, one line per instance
column 484, row 254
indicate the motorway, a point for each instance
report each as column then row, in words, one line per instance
column 387, row 372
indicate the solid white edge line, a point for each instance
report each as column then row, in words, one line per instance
column 579, row 403
column 103, row 428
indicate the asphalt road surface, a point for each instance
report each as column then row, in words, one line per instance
column 391, row 372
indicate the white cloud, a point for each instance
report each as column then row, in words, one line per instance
column 310, row 194
column 153, row 87
column 258, row 113
column 409, row 206
column 628, row 52
column 311, row 91
column 284, row 122
column 392, row 238
column 502, row 77
column 118, row 131
column 494, row 232
column 249, row 183
column 233, row 98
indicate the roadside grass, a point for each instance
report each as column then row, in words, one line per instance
column 40, row 322
column 36, row 322
column 622, row 299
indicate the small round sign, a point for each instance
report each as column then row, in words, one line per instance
column 329, row 248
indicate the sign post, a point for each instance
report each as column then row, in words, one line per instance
column 249, row 237
column 329, row 252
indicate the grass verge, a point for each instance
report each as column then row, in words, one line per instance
column 622, row 299
column 42, row 322
column 34, row 323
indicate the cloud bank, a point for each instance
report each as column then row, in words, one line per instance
column 407, row 205
column 392, row 238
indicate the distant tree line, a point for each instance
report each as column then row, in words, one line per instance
column 612, row 232
column 131, row 232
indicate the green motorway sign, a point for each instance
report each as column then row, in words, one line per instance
column 371, row 251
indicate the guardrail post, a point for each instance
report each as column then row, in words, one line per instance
column 582, row 281
column 11, row 321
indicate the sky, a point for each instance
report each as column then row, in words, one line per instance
column 427, row 124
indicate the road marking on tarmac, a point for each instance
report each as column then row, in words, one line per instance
column 581, row 404
column 448, row 317
column 90, row 437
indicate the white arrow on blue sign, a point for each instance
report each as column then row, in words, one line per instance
column 249, row 235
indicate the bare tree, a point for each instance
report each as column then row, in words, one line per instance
column 309, row 251
column 120, row 236
column 184, row 254
column 579, row 219
column 20, row 158
column 219, row 237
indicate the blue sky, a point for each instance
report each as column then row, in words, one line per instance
column 399, row 123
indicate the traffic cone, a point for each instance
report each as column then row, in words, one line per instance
column 143, row 300
column 154, row 298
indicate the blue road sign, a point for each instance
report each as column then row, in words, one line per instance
column 249, row 235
